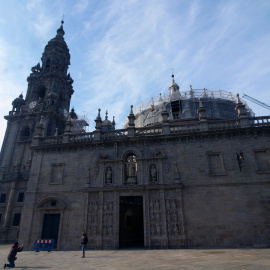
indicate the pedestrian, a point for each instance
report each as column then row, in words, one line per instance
column 12, row 255
column 84, row 241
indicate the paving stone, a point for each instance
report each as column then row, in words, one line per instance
column 184, row 259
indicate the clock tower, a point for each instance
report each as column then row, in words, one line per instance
column 50, row 85
column 47, row 100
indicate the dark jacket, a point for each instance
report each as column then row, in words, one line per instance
column 84, row 239
column 13, row 252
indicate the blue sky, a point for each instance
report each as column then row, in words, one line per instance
column 122, row 51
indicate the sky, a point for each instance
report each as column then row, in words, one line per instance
column 123, row 52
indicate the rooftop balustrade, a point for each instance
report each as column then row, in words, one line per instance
column 181, row 127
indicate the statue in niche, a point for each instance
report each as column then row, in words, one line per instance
column 108, row 175
column 152, row 230
column 151, row 204
column 167, row 204
column 105, row 206
column 158, row 230
column 175, row 229
column 131, row 169
column 173, row 204
column 153, row 173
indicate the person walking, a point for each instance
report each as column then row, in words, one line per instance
column 84, row 241
column 12, row 255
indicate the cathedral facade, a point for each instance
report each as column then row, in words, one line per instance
column 188, row 170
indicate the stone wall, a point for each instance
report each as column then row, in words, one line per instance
column 196, row 197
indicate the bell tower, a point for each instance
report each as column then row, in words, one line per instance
column 50, row 85
column 47, row 100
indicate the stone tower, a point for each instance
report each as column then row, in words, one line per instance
column 43, row 112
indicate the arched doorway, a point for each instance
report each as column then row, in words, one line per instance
column 52, row 211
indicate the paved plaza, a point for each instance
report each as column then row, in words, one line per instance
column 221, row 259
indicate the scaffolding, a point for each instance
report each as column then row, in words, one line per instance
column 81, row 124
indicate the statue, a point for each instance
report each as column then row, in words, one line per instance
column 153, row 173
column 109, row 175
column 131, row 170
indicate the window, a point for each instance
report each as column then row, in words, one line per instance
column 16, row 219
column 0, row 218
column 48, row 63
column 3, row 198
column 25, row 134
column 41, row 92
column 20, row 197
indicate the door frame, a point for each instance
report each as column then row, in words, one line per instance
column 142, row 215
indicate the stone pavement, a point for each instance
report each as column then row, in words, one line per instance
column 221, row 259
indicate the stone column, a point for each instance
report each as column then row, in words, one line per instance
column 163, row 215
column 8, row 211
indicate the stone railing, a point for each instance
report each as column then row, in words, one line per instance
column 148, row 131
column 182, row 127
column 84, row 137
column 224, row 125
column 114, row 134
column 260, row 121
column 51, row 140
column 189, row 128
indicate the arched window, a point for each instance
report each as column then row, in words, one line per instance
column 25, row 134
column 48, row 63
column 41, row 92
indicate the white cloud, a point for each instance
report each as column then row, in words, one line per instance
column 80, row 6
column 32, row 4
column 122, row 51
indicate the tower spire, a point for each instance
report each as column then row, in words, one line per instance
column 60, row 30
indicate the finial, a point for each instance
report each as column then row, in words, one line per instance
column 172, row 76
column 238, row 98
column 160, row 98
column 60, row 31
column 200, row 103
column 98, row 116
column 106, row 117
column 131, row 109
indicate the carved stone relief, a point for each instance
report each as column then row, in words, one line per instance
column 93, row 218
column 172, row 217
column 155, row 218
column 107, row 228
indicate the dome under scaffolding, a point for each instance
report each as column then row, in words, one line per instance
column 219, row 104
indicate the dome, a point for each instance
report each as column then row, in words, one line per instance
column 106, row 124
column 182, row 105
